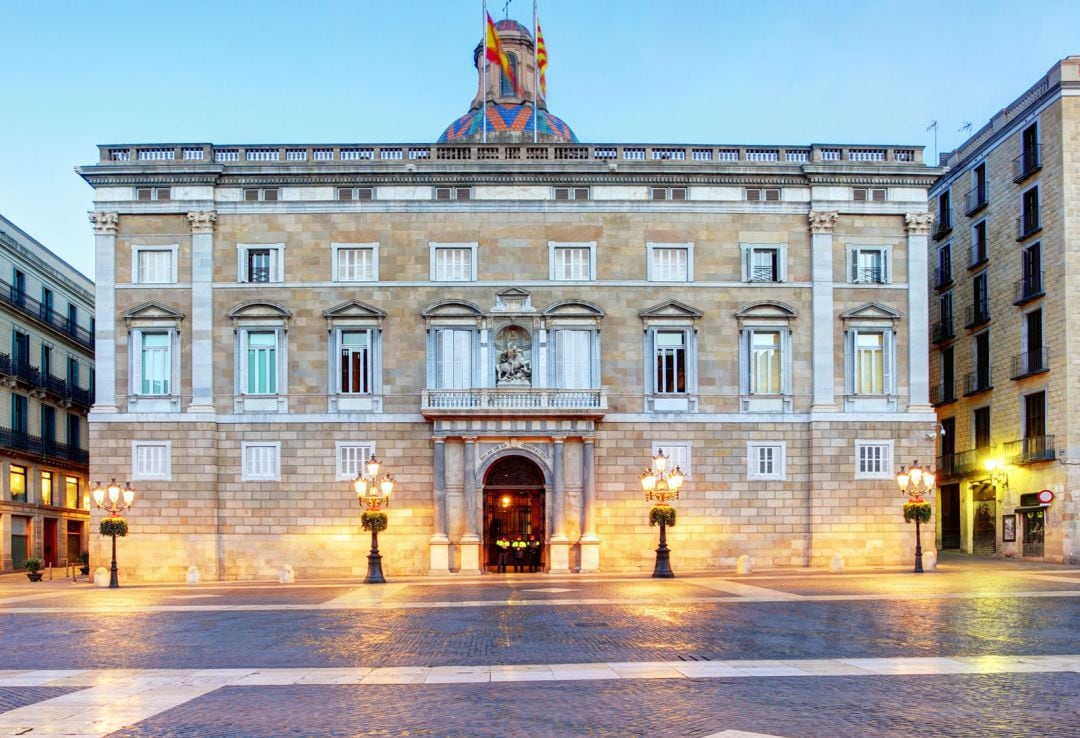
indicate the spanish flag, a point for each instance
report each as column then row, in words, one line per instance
column 496, row 54
column 541, row 59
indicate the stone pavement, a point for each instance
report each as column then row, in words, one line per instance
column 979, row 648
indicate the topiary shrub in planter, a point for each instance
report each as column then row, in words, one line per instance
column 917, row 509
column 662, row 515
column 33, row 569
column 373, row 520
column 113, row 526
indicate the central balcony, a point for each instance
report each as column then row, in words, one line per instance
column 547, row 401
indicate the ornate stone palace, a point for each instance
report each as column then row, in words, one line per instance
column 514, row 327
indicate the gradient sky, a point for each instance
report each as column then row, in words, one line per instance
column 76, row 74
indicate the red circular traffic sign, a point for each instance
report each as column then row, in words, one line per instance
column 1046, row 496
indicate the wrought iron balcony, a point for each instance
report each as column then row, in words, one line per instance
column 869, row 275
column 1030, row 450
column 1028, row 363
column 512, row 401
column 943, row 331
column 28, row 306
column 1028, row 288
column 977, row 254
column 764, row 274
column 943, row 393
column 943, row 227
column 977, row 313
column 43, row 449
column 1028, row 225
column 976, row 198
column 60, row 389
column 975, row 382
column 946, row 466
column 943, row 277
column 1029, row 162
column 966, row 462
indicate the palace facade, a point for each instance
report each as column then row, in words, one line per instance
column 514, row 323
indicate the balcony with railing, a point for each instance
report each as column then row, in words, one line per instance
column 978, row 254
column 37, row 310
column 764, row 274
column 944, row 224
column 943, row 277
column 1028, row 224
column 977, row 313
column 1028, row 363
column 517, row 401
column 945, row 467
column 942, row 394
column 1028, row 288
column 976, row 382
column 942, row 331
column 42, row 449
column 976, row 199
column 1029, row 162
column 1030, row 450
column 61, row 390
column 868, row 275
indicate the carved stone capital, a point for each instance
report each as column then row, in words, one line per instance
column 919, row 224
column 202, row 221
column 822, row 221
column 105, row 224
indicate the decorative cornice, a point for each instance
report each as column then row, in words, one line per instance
column 202, row 221
column 104, row 223
column 822, row 221
column 919, row 224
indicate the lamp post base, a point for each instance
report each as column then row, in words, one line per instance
column 662, row 567
column 918, row 549
column 374, row 562
column 114, row 579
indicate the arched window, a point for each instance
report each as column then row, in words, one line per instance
column 506, row 87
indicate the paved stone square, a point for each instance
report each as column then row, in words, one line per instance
column 978, row 648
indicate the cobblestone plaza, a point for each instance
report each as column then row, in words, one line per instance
column 979, row 648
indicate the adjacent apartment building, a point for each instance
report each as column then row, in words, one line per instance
column 514, row 322
column 1004, row 370
column 46, row 389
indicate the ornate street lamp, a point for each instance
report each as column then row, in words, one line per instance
column 661, row 486
column 916, row 482
column 113, row 499
column 373, row 493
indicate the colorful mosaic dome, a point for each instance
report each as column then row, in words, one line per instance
column 508, row 119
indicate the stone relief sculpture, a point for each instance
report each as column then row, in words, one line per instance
column 513, row 366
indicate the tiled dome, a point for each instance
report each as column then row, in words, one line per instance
column 504, row 119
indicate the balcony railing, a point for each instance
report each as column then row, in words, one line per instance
column 27, row 305
column 946, row 466
column 869, row 275
column 943, row 331
column 59, row 388
column 763, row 274
column 966, row 462
column 977, row 382
column 942, row 277
column 1030, row 450
column 942, row 393
column 1029, row 162
column 977, row 313
column 976, row 198
column 1028, row 224
column 977, row 254
column 497, row 400
column 1028, row 288
column 42, row 448
column 943, row 227
column 1028, row 363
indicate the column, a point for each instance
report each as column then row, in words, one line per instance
column 439, row 546
column 824, row 350
column 559, row 546
column 590, row 543
column 470, row 541
column 105, row 227
column 202, row 311
column 918, row 229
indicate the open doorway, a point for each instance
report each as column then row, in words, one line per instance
column 513, row 505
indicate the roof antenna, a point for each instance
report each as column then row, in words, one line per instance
column 966, row 128
column 933, row 127
column 506, row 9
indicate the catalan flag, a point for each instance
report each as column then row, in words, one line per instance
column 541, row 59
column 494, row 52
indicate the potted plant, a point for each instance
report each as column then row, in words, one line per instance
column 33, row 569
column 84, row 563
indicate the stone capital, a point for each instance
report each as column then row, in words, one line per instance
column 918, row 224
column 202, row 221
column 105, row 223
column 822, row 221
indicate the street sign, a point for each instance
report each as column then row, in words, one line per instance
column 1046, row 497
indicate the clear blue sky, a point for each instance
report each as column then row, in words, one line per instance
column 76, row 74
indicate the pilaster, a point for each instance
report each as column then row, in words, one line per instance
column 824, row 350
column 470, row 540
column 105, row 226
column 590, row 543
column 918, row 230
column 439, row 545
column 559, row 546
column 202, row 310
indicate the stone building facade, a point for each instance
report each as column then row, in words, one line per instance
column 514, row 327
column 1003, row 370
column 46, row 386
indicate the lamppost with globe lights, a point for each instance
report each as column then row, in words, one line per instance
column 660, row 487
column 916, row 482
column 373, row 493
column 113, row 499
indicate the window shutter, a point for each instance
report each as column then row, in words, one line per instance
column 753, row 195
column 849, row 361
column 877, row 195
column 858, row 194
column 887, row 363
column 772, row 195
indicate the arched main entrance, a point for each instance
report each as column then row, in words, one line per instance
column 513, row 504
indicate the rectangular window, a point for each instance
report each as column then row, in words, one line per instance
column 258, row 265
column 355, row 362
column 453, row 264
column 571, row 193
column 362, row 194
column 48, row 426
column 868, row 194
column 869, row 363
column 155, row 364
column 261, row 461
column 46, row 304
column 981, row 419
column 20, row 410
column 71, row 492
column 74, row 432
column 1030, row 220
column 670, row 371
column 1031, row 271
column 356, row 264
column 979, row 252
column 668, row 193
column 261, row 366
column 765, row 355
column 148, row 194
column 669, row 263
column 766, row 460
column 763, row 264
column 944, row 267
column 17, row 483
column 46, row 488
column 151, row 460
column 981, row 376
column 20, row 348
column 261, row 262
column 873, row 460
column 453, row 193
column 155, row 266
column 869, row 265
column 678, row 453
column 763, row 194
column 351, row 457
column 260, row 194
column 573, row 359
column 1035, row 415
column 453, row 358
column 980, row 300
column 572, row 263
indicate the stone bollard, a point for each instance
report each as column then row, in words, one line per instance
column 744, row 565
column 287, row 575
column 929, row 561
column 101, row 577
column 193, row 575
column 837, row 565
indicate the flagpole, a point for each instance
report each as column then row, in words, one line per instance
column 536, row 75
column 483, row 74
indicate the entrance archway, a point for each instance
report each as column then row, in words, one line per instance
column 513, row 504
